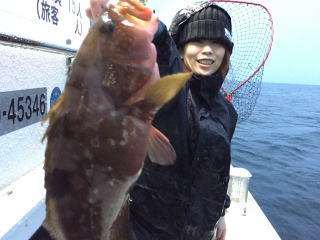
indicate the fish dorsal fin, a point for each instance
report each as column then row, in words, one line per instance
column 160, row 150
column 166, row 88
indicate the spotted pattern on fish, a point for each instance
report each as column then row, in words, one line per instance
column 100, row 128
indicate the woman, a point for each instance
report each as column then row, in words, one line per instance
column 187, row 200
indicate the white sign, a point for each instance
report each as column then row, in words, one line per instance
column 57, row 22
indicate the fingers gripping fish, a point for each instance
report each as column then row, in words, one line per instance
column 100, row 129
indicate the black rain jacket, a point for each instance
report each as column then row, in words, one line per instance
column 184, row 201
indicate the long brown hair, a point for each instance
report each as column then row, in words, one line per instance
column 225, row 65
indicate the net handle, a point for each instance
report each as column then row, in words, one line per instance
column 229, row 96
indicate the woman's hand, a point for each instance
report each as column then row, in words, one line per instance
column 221, row 229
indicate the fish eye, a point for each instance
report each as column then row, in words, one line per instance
column 107, row 27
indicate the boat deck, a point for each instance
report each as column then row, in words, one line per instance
column 22, row 210
column 254, row 225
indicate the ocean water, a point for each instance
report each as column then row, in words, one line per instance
column 280, row 145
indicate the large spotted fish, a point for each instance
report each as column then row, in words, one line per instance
column 100, row 129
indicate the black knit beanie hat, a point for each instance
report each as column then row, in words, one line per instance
column 206, row 21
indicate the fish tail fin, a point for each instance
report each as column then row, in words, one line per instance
column 166, row 88
column 159, row 149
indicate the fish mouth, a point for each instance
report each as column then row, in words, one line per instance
column 133, row 14
column 206, row 62
column 131, row 10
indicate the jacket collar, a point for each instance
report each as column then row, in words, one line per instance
column 207, row 84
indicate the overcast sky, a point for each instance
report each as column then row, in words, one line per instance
column 294, row 57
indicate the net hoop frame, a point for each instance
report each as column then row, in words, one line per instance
column 229, row 95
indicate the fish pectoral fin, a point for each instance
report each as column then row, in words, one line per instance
column 160, row 149
column 166, row 88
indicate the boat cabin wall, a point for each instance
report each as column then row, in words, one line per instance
column 38, row 40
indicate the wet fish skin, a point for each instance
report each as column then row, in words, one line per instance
column 99, row 130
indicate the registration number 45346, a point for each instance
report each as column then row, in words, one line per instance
column 21, row 108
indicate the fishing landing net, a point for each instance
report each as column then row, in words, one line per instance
column 252, row 34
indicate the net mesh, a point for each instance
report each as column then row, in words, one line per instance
column 252, row 33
